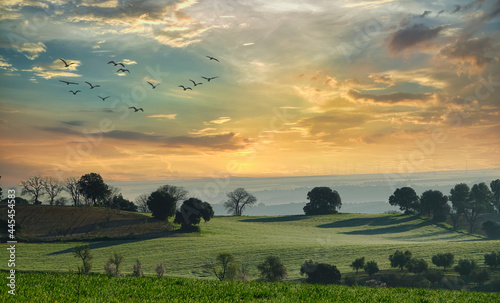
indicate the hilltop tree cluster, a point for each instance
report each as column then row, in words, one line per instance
column 463, row 202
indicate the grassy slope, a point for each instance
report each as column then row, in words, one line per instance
column 74, row 288
column 335, row 239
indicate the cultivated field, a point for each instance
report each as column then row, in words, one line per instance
column 334, row 239
column 43, row 287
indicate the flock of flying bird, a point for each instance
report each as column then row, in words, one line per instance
column 123, row 70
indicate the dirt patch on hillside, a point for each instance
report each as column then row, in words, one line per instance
column 51, row 223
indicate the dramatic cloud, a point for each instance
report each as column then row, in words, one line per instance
column 473, row 51
column 412, row 36
column 392, row 98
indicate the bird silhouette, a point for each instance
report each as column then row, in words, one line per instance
column 74, row 93
column 66, row 64
column 185, row 87
column 104, row 98
column 154, row 86
column 210, row 78
column 67, row 82
column 92, row 86
column 115, row 64
column 195, row 84
column 123, row 70
column 136, row 109
column 212, row 58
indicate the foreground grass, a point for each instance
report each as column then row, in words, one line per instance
column 44, row 287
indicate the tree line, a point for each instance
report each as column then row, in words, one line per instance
column 463, row 203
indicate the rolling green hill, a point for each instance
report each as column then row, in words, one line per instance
column 334, row 239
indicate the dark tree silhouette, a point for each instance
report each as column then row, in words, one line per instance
column 479, row 202
column 177, row 192
column 237, row 200
column 142, row 203
column 33, row 186
column 465, row 267
column 458, row 198
column 322, row 201
column 162, row 204
column 1, row 190
column 320, row 273
column 492, row 260
column 52, row 187
column 358, row 264
column 492, row 229
column 495, row 190
column 72, row 187
column 416, row 266
column 191, row 212
column 399, row 259
column 443, row 260
column 407, row 200
column 433, row 202
column 118, row 202
column 371, row 268
column 93, row 189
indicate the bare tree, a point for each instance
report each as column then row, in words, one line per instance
column 53, row 188
column 238, row 200
column 142, row 203
column 73, row 188
column 33, row 186
column 177, row 192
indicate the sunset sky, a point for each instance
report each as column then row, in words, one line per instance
column 303, row 88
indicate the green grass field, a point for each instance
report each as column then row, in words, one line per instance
column 43, row 287
column 334, row 239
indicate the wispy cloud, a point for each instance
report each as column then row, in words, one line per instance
column 164, row 116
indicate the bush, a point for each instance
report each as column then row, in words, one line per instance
column 492, row 229
column 350, row 281
column 83, row 252
column 492, row 260
column 371, row 268
column 272, row 269
column 113, row 266
column 320, row 273
column 137, row 269
column 443, row 260
column 227, row 269
column 160, row 269
column 421, row 283
column 416, row 266
column 434, row 275
column 465, row 267
column 358, row 264
column 481, row 276
column 391, row 280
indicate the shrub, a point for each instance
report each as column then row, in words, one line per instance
column 492, row 260
column 391, row 280
column 492, row 229
column 465, row 267
column 227, row 269
column 350, row 281
column 371, row 268
column 160, row 269
column 443, row 260
column 421, row 283
column 434, row 276
column 272, row 269
column 481, row 276
column 358, row 264
column 113, row 266
column 137, row 269
column 83, row 252
column 416, row 266
column 320, row 273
